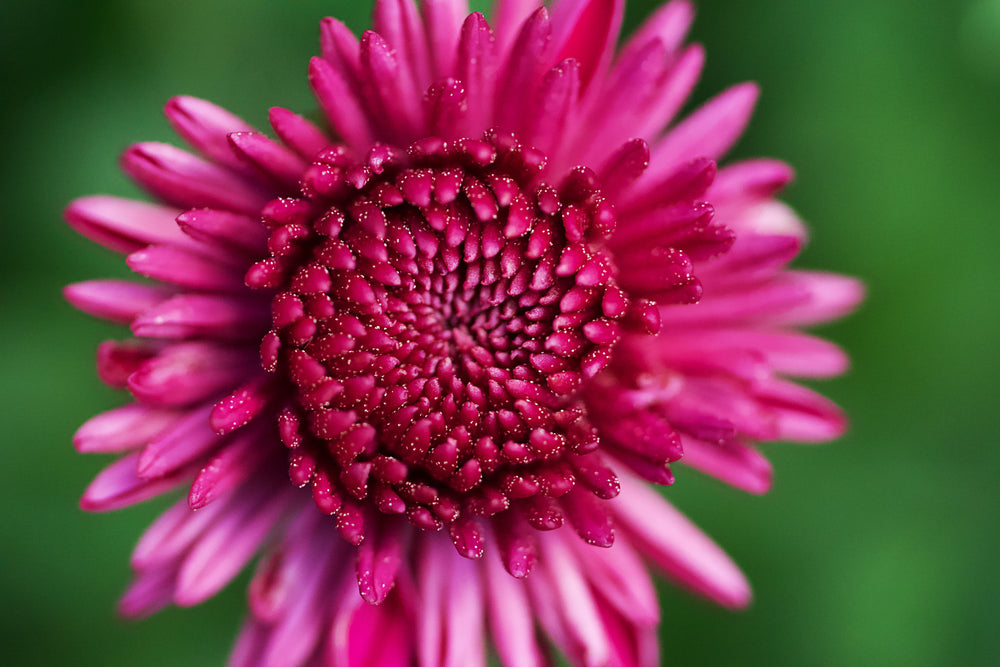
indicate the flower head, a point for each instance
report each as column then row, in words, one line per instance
column 427, row 358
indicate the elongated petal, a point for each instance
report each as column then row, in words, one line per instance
column 124, row 225
column 183, row 180
column 120, row 301
column 685, row 553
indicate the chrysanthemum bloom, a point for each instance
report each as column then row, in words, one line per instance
column 429, row 359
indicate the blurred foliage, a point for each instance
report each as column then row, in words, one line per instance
column 877, row 550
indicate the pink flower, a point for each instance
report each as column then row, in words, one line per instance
column 471, row 320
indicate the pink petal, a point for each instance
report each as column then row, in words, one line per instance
column 687, row 555
column 183, row 180
column 223, row 551
column 475, row 67
column 708, row 132
column 620, row 577
column 339, row 103
column 520, row 73
column 205, row 126
column 189, row 440
column 124, row 225
column 150, row 592
column 281, row 166
column 119, row 486
column 123, row 428
column 229, row 468
column 510, row 617
column 186, row 269
column 507, row 19
column 378, row 559
column 802, row 415
column 586, row 30
column 668, row 24
column 398, row 22
column 186, row 373
column 120, row 301
column 298, row 133
column 830, row 297
column 167, row 538
column 388, row 95
column 544, row 127
column 225, row 230
column 561, row 579
column 340, row 49
column 443, row 23
column 205, row 316
column 737, row 465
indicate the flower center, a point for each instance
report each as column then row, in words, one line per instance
column 435, row 314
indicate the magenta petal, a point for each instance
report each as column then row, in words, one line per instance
column 206, row 126
column 586, row 31
column 124, row 225
column 186, row 443
column 225, row 230
column 120, row 301
column 399, row 23
column 183, row 180
column 280, row 165
column 204, row 316
column 229, row 468
column 119, row 486
column 561, row 580
column 378, row 559
column 123, row 428
column 151, row 591
column 829, row 296
column 186, row 269
column 520, row 73
column 475, row 67
column 167, row 538
column 187, row 373
column 340, row 48
column 443, row 23
column 801, row 414
column 557, row 95
column 751, row 179
column 223, row 551
column 298, row 133
column 668, row 24
column 339, row 103
column 510, row 618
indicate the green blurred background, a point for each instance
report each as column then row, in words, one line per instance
column 880, row 549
